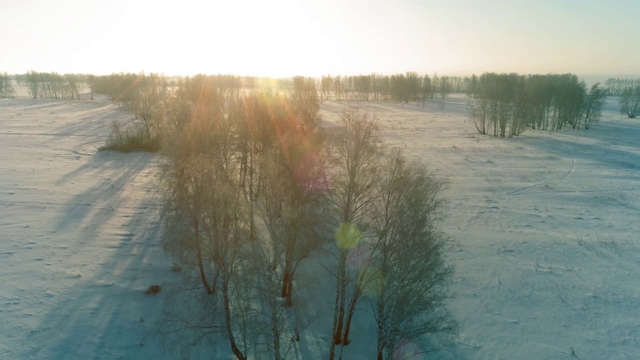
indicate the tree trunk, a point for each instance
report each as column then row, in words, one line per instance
column 335, row 333
column 276, row 337
column 287, row 281
column 251, row 197
column 227, row 317
column 352, row 308
column 381, row 342
column 289, row 300
column 203, row 276
column 285, row 284
column 342, row 276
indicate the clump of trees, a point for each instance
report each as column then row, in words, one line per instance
column 137, row 93
column 52, row 85
column 407, row 268
column 628, row 92
column 254, row 188
column 616, row 86
column 630, row 102
column 6, row 88
column 244, row 185
column 506, row 104
column 140, row 94
column 388, row 248
column 145, row 95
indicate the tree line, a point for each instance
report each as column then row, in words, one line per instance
column 398, row 87
column 616, row 86
column 404, row 87
column 503, row 104
column 45, row 85
column 255, row 188
column 507, row 104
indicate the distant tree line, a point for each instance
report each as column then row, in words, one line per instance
column 628, row 91
column 616, row 86
column 52, row 85
column 6, row 88
column 506, row 104
column 134, row 92
column 399, row 87
column 124, row 87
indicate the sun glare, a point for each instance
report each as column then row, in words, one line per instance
column 277, row 39
column 283, row 38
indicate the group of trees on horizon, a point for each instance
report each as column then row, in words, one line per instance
column 399, row 87
column 503, row 104
column 52, row 85
column 506, row 104
column 403, row 87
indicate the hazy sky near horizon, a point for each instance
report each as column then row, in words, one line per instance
column 316, row 37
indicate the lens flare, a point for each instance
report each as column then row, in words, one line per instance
column 348, row 236
column 407, row 350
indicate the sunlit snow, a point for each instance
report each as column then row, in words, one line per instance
column 545, row 227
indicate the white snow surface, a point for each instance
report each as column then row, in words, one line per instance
column 546, row 229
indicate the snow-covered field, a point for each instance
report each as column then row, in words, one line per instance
column 547, row 228
column 78, row 236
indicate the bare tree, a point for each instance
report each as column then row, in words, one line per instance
column 444, row 88
column 304, row 101
column 71, row 85
column 426, row 86
column 6, row 89
column 150, row 92
column 291, row 205
column 413, row 85
column 356, row 166
column 593, row 105
column 91, row 81
column 246, row 189
column 327, row 84
column 33, row 83
column 338, row 87
column 630, row 101
column 282, row 173
column 208, row 206
column 408, row 272
column 479, row 114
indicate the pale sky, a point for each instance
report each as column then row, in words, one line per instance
column 315, row 37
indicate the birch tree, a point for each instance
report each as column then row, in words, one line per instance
column 408, row 274
column 630, row 101
column 356, row 166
